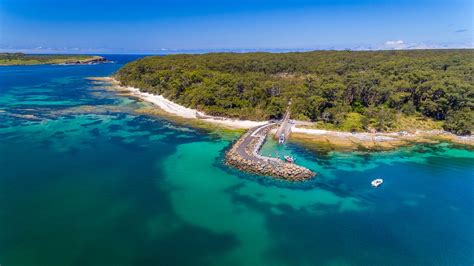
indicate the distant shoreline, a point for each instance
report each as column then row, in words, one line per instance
column 19, row 59
column 309, row 136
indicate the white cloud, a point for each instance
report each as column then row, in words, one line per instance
column 402, row 45
column 396, row 45
column 394, row 42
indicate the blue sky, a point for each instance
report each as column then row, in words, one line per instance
column 145, row 26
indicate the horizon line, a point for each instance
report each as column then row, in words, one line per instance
column 217, row 50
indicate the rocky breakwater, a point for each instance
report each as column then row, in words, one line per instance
column 244, row 155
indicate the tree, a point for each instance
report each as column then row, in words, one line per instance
column 460, row 122
column 276, row 108
column 335, row 115
column 380, row 118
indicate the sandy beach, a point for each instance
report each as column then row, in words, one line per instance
column 181, row 111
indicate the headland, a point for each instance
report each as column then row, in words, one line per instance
column 19, row 59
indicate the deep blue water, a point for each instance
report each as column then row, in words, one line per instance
column 86, row 180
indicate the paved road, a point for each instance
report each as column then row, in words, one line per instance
column 260, row 163
column 251, row 135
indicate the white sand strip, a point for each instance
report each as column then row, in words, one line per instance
column 360, row 136
column 185, row 112
column 165, row 104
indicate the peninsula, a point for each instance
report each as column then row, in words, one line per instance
column 349, row 91
column 340, row 99
column 14, row 59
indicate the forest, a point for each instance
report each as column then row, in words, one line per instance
column 347, row 90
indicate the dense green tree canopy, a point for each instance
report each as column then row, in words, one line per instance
column 327, row 86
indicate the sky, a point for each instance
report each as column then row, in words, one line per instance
column 166, row 26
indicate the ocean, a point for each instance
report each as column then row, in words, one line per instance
column 85, row 179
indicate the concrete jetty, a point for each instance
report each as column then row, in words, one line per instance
column 244, row 155
column 284, row 129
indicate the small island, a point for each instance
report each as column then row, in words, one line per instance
column 18, row 59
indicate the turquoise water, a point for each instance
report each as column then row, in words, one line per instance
column 86, row 181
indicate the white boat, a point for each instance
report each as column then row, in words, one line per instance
column 281, row 140
column 377, row 182
column 289, row 159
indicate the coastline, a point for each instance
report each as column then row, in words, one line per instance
column 334, row 139
column 61, row 61
column 377, row 141
column 180, row 111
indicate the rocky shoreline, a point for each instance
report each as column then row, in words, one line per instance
column 244, row 156
column 92, row 61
